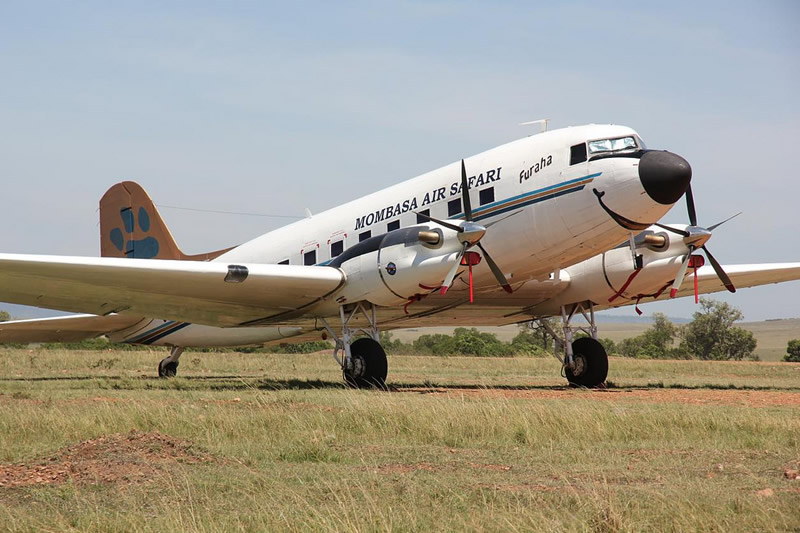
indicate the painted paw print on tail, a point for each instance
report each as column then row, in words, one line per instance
column 123, row 240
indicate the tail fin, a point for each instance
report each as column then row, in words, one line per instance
column 130, row 226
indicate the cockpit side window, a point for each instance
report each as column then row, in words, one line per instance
column 577, row 154
column 612, row 145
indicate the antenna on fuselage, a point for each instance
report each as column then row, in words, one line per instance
column 542, row 122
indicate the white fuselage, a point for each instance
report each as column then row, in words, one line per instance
column 558, row 223
column 540, row 210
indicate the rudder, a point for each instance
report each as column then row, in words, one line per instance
column 131, row 226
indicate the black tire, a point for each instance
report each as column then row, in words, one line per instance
column 591, row 363
column 167, row 369
column 370, row 365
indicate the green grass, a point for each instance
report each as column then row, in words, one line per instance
column 458, row 444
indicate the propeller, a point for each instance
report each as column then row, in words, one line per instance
column 470, row 234
column 696, row 237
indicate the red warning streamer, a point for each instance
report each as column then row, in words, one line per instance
column 469, row 259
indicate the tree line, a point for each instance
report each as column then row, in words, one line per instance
column 711, row 335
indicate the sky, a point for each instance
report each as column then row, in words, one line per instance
column 272, row 108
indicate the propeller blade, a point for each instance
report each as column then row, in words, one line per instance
column 465, row 193
column 441, row 222
column 498, row 274
column 718, row 224
column 720, row 272
column 453, row 271
column 673, row 230
column 681, row 274
column 690, row 206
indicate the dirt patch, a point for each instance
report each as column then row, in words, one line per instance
column 745, row 398
column 121, row 458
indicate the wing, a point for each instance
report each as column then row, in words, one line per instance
column 64, row 328
column 743, row 276
column 216, row 294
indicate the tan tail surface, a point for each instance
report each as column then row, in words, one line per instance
column 131, row 226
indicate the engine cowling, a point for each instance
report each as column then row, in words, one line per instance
column 390, row 269
column 609, row 278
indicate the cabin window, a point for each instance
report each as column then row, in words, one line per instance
column 337, row 248
column 391, row 226
column 612, row 145
column 364, row 236
column 310, row 258
column 284, row 262
column 454, row 207
column 421, row 219
column 487, row 196
column 577, row 154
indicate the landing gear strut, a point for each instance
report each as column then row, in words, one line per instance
column 585, row 361
column 363, row 360
column 168, row 367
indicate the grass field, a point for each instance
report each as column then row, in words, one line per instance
column 89, row 441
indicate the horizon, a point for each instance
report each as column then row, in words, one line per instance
column 250, row 108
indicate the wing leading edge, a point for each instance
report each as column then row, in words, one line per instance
column 210, row 293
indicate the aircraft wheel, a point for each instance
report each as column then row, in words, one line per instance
column 591, row 363
column 167, row 368
column 369, row 365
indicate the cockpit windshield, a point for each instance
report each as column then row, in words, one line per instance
column 612, row 145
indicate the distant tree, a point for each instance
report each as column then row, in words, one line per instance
column 434, row 344
column 793, row 352
column 4, row 316
column 464, row 341
column 527, row 342
column 473, row 342
column 712, row 336
column 609, row 345
column 392, row 345
column 657, row 342
column 540, row 332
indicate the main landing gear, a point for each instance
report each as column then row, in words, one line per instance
column 585, row 362
column 363, row 360
column 168, row 367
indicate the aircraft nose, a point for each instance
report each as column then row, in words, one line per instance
column 664, row 176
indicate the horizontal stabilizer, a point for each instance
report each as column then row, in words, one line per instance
column 64, row 328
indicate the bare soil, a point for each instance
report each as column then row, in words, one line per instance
column 121, row 458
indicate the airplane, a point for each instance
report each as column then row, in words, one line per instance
column 569, row 215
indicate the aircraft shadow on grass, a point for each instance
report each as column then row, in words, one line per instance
column 238, row 383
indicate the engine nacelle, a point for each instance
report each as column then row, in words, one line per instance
column 390, row 269
column 609, row 279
